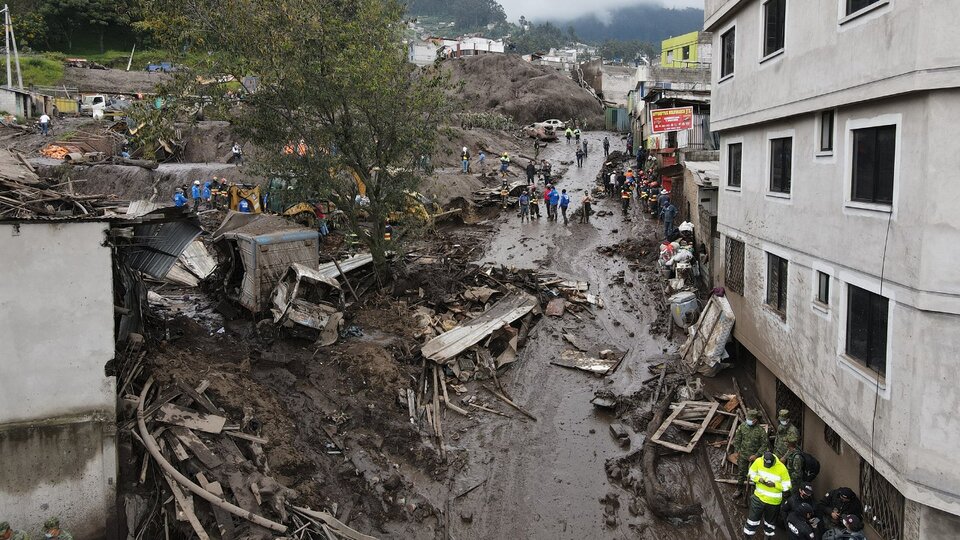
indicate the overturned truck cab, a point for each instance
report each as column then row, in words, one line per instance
column 300, row 306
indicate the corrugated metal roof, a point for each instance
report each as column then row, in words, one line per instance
column 157, row 246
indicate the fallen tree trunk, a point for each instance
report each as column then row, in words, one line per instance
column 658, row 500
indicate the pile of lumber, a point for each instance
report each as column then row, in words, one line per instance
column 213, row 472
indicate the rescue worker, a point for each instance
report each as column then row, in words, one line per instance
column 576, row 135
column 387, row 232
column 625, row 198
column 534, row 202
column 612, row 184
column 554, row 202
column 579, row 157
column 606, row 147
column 852, row 529
column 749, row 442
column 784, row 427
column 51, row 529
column 669, row 213
column 205, row 194
column 545, row 170
column 793, row 459
column 504, row 164
column 584, row 148
column 465, row 160
column 531, row 170
column 662, row 202
column 568, row 133
column 802, row 493
column 838, row 503
column 587, row 202
column 195, row 195
column 800, row 523
column 6, row 533
column 504, row 193
column 524, row 203
column 564, row 204
column 178, row 199
column 771, row 482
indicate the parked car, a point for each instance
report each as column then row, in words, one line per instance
column 555, row 124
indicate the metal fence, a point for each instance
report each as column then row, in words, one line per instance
column 882, row 503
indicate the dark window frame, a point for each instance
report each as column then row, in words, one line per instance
column 778, row 273
column 873, row 171
column 853, row 6
column 728, row 52
column 833, row 440
column 781, row 164
column 826, row 130
column 823, row 288
column 735, row 166
column 866, row 339
column 685, row 52
column 774, row 26
column 734, row 264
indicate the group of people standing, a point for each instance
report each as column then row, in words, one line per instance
column 781, row 477
column 556, row 201
column 212, row 193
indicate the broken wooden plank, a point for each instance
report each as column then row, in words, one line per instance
column 224, row 520
column 178, row 450
column 178, row 416
column 673, row 420
column 197, row 447
column 241, row 492
column 247, row 437
column 186, row 507
column 338, row 527
column 448, row 345
column 507, row 400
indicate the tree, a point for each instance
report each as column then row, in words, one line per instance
column 333, row 76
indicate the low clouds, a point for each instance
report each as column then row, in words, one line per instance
column 565, row 10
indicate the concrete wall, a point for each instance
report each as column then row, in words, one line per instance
column 903, row 56
column 914, row 406
column 57, row 408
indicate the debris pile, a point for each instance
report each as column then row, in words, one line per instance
column 24, row 196
column 212, row 471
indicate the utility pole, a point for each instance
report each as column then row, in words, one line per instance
column 16, row 54
column 6, row 31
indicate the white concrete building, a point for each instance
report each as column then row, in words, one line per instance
column 57, row 404
column 838, row 214
column 425, row 52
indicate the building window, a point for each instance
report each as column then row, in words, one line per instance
column 867, row 328
column 733, row 280
column 832, row 438
column 786, row 399
column 734, row 163
column 854, row 6
column 669, row 57
column 727, row 49
column 781, row 164
column 874, row 156
column 777, row 283
column 686, row 52
column 883, row 505
column 826, row 131
column 774, row 22
column 823, row 288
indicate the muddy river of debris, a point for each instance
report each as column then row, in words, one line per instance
column 520, row 453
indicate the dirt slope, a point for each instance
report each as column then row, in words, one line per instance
column 507, row 84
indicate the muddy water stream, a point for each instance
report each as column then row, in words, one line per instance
column 545, row 479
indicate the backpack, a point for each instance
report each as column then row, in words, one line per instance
column 811, row 466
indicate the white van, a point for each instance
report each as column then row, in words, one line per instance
column 92, row 102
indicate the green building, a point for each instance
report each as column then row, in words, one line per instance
column 688, row 50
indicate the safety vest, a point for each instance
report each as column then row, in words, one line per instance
column 777, row 474
column 625, row 194
column 387, row 234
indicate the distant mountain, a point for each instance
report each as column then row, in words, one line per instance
column 643, row 22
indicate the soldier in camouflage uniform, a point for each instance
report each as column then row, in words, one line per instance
column 51, row 529
column 785, row 427
column 793, row 460
column 6, row 533
column 749, row 442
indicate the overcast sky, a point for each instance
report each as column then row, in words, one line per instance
column 541, row 10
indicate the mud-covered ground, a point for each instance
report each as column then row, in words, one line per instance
column 341, row 439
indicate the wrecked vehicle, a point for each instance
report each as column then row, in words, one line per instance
column 300, row 305
column 540, row 131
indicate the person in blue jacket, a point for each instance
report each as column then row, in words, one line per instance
column 554, row 202
column 244, row 206
column 195, row 194
column 205, row 194
column 564, row 204
column 178, row 199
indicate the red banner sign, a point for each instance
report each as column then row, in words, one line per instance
column 675, row 119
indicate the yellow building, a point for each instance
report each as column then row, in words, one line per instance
column 688, row 50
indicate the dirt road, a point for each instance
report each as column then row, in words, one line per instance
column 545, row 479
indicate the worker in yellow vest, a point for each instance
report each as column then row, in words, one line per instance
column 625, row 198
column 388, row 232
column 772, row 480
